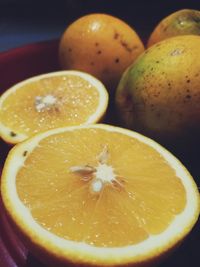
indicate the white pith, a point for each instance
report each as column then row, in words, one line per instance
column 152, row 245
column 5, row 133
column 44, row 102
column 104, row 174
column 100, row 110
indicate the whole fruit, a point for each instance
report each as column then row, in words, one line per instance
column 159, row 95
column 182, row 22
column 101, row 45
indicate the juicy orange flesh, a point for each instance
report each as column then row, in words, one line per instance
column 146, row 202
column 75, row 100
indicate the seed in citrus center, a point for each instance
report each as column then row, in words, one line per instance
column 98, row 195
column 96, row 186
column 101, row 175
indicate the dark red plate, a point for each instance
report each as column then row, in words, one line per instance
column 16, row 65
column 22, row 63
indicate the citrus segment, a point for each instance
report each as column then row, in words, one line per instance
column 98, row 190
column 49, row 101
column 151, row 203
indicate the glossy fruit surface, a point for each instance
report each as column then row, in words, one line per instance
column 181, row 22
column 101, row 45
column 159, row 94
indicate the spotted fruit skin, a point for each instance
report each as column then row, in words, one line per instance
column 101, row 45
column 159, row 94
column 182, row 22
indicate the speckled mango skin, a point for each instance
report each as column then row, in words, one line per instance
column 181, row 22
column 101, row 45
column 159, row 95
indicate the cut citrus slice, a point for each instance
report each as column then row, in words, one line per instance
column 51, row 100
column 98, row 195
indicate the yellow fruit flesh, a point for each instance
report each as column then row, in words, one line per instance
column 141, row 204
column 72, row 101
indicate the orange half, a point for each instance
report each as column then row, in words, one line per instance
column 57, row 99
column 98, row 195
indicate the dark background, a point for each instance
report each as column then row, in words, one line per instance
column 28, row 21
